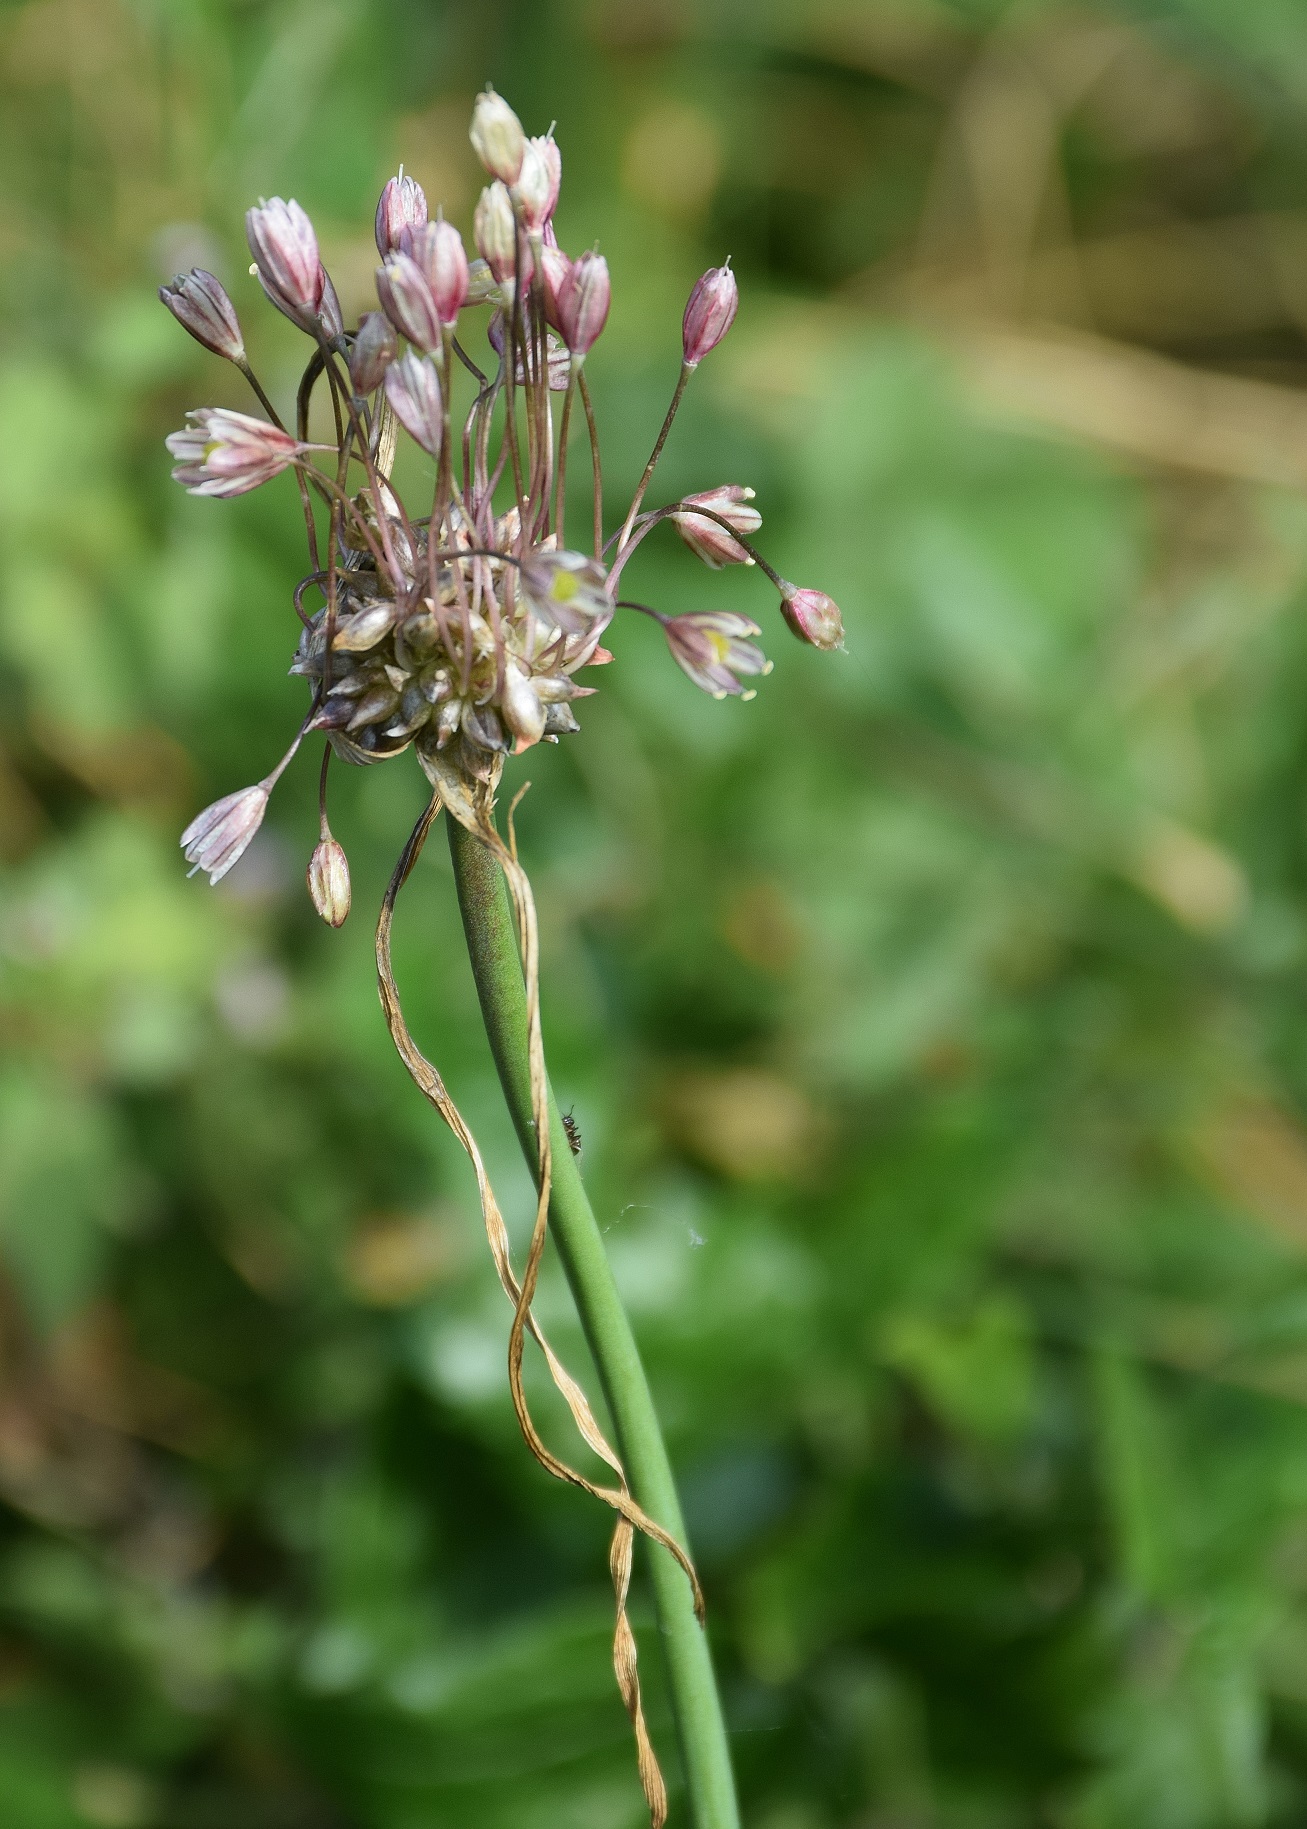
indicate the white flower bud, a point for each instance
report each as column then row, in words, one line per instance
column 328, row 877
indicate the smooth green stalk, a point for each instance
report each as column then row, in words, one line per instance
column 488, row 924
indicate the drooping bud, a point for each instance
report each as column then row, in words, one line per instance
column 568, row 589
column 495, row 229
column 226, row 453
column 709, row 314
column 813, row 616
column 438, row 250
column 713, row 648
column 497, row 137
column 413, row 390
column 583, row 301
column 285, row 251
column 218, row 836
column 330, row 315
column 372, row 352
column 328, row 877
column 709, row 539
column 199, row 302
column 554, row 269
column 403, row 207
column 537, row 186
column 407, row 301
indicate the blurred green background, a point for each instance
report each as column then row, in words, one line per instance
column 936, row 1024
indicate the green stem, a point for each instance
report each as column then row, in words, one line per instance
column 488, row 924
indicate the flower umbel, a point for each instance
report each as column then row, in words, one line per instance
column 459, row 625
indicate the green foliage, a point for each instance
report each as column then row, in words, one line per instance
column 934, row 1023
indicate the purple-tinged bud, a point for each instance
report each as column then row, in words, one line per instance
column 537, row 186
column 567, row 589
column 285, row 251
column 372, row 352
column 438, row 250
column 497, row 137
column 583, row 301
column 218, row 836
column 709, row 539
column 199, row 302
column 813, row 616
column 713, row 648
column 709, row 314
column 413, row 390
column 495, row 229
column 226, row 453
column 403, row 207
column 407, row 301
column 554, row 269
column 328, row 877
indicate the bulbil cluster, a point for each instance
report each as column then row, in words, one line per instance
column 462, row 629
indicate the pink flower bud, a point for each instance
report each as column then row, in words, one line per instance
column 372, row 352
column 403, row 207
column 328, row 876
column 407, row 301
column 813, row 616
column 583, row 301
column 200, row 304
column 536, row 189
column 495, row 229
column 216, row 838
column 226, row 453
column 413, row 390
column 438, row 249
column 713, row 648
column 285, row 251
column 497, row 137
column 709, row 314
column 709, row 539
column 554, row 269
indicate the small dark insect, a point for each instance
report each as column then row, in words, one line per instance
column 573, row 1130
